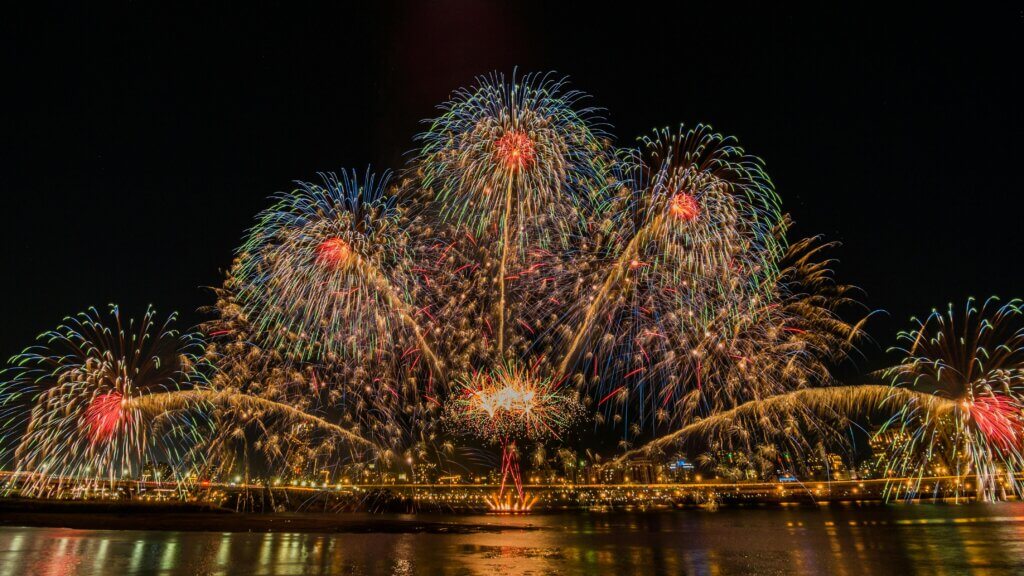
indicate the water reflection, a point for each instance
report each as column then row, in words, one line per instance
column 850, row 540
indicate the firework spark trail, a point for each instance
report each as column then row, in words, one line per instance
column 312, row 278
column 505, row 229
column 516, row 158
column 975, row 361
column 616, row 273
column 836, row 402
column 67, row 403
column 170, row 401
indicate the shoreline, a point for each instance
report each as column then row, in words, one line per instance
column 196, row 517
column 204, row 518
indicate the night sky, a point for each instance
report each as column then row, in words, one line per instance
column 139, row 143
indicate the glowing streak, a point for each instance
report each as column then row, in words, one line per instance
column 999, row 419
column 837, row 401
column 501, row 268
column 167, row 401
column 684, row 207
column 333, row 252
column 405, row 312
column 615, row 275
column 515, row 150
column 610, row 394
column 103, row 415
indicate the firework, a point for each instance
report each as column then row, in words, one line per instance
column 658, row 365
column 511, row 403
column 756, row 357
column 459, row 301
column 699, row 231
column 323, row 277
column 69, row 401
column 297, row 414
column 512, row 164
column 685, row 286
column 518, row 156
column 953, row 405
column 522, row 270
column 805, row 407
column 975, row 362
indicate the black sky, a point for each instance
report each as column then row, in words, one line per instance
column 139, row 142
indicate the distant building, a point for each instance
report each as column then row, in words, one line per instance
column 157, row 472
column 678, row 470
column 426, row 473
column 640, row 472
column 883, row 447
column 829, row 466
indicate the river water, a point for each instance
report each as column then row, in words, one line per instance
column 856, row 540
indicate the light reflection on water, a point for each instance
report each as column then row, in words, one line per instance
column 925, row 539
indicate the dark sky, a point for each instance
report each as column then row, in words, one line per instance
column 139, row 142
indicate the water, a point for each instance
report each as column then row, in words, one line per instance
column 900, row 539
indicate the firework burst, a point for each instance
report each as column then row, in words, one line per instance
column 323, row 275
column 689, row 311
column 518, row 156
column 974, row 361
column 511, row 403
column 512, row 165
column 69, row 403
column 698, row 232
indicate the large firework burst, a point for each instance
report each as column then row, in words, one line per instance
column 70, row 402
column 975, row 361
column 323, row 275
column 520, row 156
column 512, row 403
column 654, row 285
column 511, row 166
column 692, row 239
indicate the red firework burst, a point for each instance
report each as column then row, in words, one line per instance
column 103, row 415
column 514, row 150
column 684, row 207
column 333, row 252
column 998, row 418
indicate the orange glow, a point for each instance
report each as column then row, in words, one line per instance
column 508, row 503
column 333, row 252
column 684, row 207
column 517, row 396
column 515, row 150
